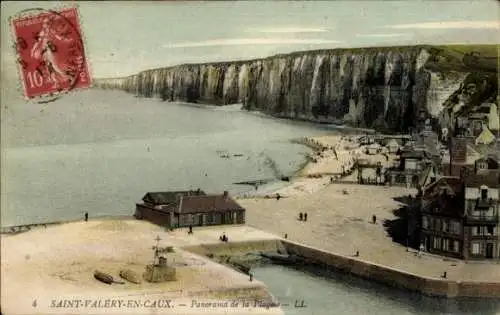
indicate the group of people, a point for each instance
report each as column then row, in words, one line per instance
column 303, row 216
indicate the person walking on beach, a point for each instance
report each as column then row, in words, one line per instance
column 305, row 216
column 86, row 216
column 300, row 216
column 420, row 250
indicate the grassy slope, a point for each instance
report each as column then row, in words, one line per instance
column 468, row 58
column 481, row 61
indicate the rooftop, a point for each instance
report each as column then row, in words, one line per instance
column 169, row 197
column 490, row 179
column 192, row 201
column 209, row 203
column 454, row 183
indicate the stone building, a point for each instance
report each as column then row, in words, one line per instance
column 481, row 230
column 189, row 208
column 412, row 162
column 460, row 214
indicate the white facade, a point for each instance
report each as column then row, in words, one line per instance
column 475, row 193
column 411, row 164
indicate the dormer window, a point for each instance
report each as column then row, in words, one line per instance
column 482, row 165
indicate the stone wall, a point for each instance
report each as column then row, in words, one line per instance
column 393, row 277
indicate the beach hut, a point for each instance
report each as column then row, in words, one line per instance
column 373, row 148
column 392, row 146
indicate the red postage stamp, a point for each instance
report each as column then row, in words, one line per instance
column 50, row 52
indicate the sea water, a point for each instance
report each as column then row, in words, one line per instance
column 315, row 291
column 100, row 151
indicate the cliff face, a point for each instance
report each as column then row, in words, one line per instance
column 382, row 88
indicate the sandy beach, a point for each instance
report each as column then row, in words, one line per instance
column 52, row 263
column 332, row 155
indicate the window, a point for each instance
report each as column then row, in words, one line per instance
column 455, row 227
column 491, row 230
column 425, row 222
column 445, row 244
column 456, row 246
column 445, row 226
column 437, row 243
column 482, row 166
column 438, row 224
column 475, row 248
column 475, row 230
column 484, row 193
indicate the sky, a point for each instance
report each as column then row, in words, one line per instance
column 123, row 38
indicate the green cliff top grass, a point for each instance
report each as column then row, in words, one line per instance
column 467, row 58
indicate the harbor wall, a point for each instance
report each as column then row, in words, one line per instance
column 393, row 277
column 236, row 248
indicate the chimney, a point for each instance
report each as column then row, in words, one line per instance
column 226, row 194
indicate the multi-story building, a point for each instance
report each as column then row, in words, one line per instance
column 481, row 225
column 460, row 214
column 442, row 222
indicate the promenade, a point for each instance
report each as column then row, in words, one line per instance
column 339, row 221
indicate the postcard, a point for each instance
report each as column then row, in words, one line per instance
column 250, row 157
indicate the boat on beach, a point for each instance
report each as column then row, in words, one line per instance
column 103, row 277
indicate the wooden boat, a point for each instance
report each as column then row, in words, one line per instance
column 130, row 276
column 103, row 277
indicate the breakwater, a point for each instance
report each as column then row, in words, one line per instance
column 395, row 278
column 382, row 88
column 234, row 253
